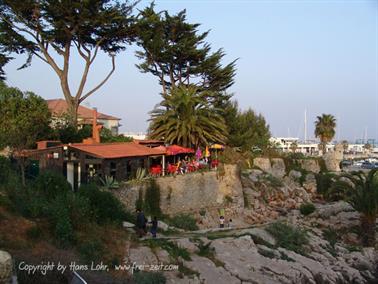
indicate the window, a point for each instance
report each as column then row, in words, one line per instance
column 114, row 130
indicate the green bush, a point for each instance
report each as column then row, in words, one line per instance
column 184, row 221
column 34, row 233
column 289, row 237
column 105, row 207
column 50, row 184
column 5, row 169
column 143, row 277
column 324, row 182
column 307, row 208
column 64, row 233
column 77, row 207
column 91, row 250
column 151, row 204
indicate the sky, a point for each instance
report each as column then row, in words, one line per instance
column 318, row 56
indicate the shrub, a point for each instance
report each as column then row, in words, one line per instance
column 324, row 182
column 228, row 199
column 77, row 207
column 34, row 233
column 289, row 237
column 91, row 250
column 63, row 230
column 50, row 184
column 152, row 199
column 104, row 206
column 307, row 208
column 5, row 169
column 184, row 221
column 332, row 236
column 274, row 181
column 143, row 277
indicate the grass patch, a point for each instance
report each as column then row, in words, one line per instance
column 183, row 221
column 173, row 249
column 289, row 237
column 331, row 236
column 183, row 270
column 353, row 248
column 307, row 208
column 284, row 256
column 207, row 251
column 273, row 181
column 266, row 253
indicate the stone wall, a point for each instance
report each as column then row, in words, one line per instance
column 333, row 158
column 276, row 166
column 191, row 192
column 5, row 267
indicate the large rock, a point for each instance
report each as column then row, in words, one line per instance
column 259, row 233
column 209, row 272
column 310, row 165
column 5, row 267
column 263, row 164
column 325, row 211
column 310, row 184
column 278, row 168
column 142, row 256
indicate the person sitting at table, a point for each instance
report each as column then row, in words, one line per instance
column 184, row 167
column 178, row 166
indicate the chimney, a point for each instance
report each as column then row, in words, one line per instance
column 95, row 128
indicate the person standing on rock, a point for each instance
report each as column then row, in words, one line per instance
column 221, row 222
column 140, row 223
column 230, row 223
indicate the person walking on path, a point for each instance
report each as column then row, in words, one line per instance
column 154, row 227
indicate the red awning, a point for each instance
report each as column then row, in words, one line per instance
column 175, row 150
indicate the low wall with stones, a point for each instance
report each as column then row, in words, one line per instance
column 5, row 267
column 191, row 192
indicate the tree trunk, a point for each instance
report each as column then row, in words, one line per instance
column 73, row 106
column 368, row 230
column 21, row 163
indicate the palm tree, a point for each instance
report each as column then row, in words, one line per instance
column 186, row 118
column 362, row 194
column 325, row 129
column 294, row 146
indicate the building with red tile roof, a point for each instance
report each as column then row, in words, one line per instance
column 81, row 163
column 59, row 107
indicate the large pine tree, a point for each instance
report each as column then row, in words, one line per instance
column 53, row 30
column 176, row 52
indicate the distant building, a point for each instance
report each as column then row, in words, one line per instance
column 136, row 135
column 59, row 108
column 284, row 144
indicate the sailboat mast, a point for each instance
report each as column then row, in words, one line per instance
column 305, row 126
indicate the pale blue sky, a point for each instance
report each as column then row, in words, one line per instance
column 293, row 55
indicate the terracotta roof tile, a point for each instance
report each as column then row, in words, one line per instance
column 59, row 107
column 118, row 150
